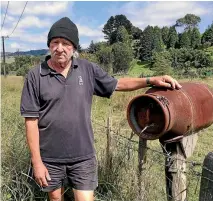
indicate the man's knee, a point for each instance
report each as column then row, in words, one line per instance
column 56, row 195
column 83, row 195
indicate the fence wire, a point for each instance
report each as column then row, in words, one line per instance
column 158, row 160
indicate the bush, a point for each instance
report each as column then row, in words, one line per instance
column 122, row 57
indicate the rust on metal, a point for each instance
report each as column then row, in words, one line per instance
column 173, row 114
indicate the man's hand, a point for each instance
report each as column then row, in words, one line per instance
column 41, row 174
column 165, row 81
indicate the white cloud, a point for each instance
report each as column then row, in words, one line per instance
column 37, row 8
column 32, row 21
column 90, row 32
column 15, row 46
column 85, row 45
column 160, row 13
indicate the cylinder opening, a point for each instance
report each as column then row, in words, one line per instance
column 147, row 117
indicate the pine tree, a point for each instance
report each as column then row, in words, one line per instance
column 195, row 38
column 157, row 40
column 162, row 63
column 172, row 37
column 185, row 40
column 122, row 35
column 122, row 56
column 165, row 34
column 208, row 35
column 92, row 47
column 146, row 42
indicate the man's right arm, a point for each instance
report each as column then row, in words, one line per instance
column 40, row 171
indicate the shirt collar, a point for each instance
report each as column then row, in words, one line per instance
column 45, row 69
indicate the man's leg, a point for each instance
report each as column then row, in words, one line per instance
column 83, row 178
column 57, row 195
column 81, row 195
column 55, row 187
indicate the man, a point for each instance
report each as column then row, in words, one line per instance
column 56, row 103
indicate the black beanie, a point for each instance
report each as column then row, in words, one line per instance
column 64, row 28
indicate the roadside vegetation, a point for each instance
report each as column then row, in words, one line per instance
column 129, row 51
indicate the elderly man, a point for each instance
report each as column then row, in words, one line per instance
column 56, row 103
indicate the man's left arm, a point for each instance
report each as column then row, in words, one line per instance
column 131, row 84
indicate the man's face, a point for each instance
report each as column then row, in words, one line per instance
column 61, row 50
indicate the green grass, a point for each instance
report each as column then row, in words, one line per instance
column 117, row 184
column 139, row 68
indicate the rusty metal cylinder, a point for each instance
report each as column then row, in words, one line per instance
column 171, row 114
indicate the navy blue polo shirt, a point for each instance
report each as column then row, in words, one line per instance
column 63, row 108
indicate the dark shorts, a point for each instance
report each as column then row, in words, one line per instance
column 81, row 175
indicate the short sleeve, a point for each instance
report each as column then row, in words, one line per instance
column 30, row 99
column 104, row 84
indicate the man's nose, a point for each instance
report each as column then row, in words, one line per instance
column 60, row 47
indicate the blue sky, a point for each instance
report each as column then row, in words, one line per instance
column 90, row 17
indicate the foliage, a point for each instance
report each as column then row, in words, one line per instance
column 21, row 64
column 151, row 41
column 189, row 21
column 89, row 57
column 136, row 33
column 172, row 37
column 207, row 36
column 79, row 48
column 157, row 40
column 165, row 35
column 122, row 57
column 185, row 58
column 111, row 27
column 195, row 38
column 120, row 183
column 104, row 57
column 162, row 63
column 185, row 40
column 146, row 44
column 94, row 47
column 7, row 68
column 122, row 35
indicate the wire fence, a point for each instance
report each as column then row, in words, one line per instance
column 163, row 168
column 161, row 174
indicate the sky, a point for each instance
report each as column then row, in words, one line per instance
column 90, row 17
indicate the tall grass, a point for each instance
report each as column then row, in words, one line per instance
column 120, row 182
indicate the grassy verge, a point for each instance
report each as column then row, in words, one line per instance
column 116, row 184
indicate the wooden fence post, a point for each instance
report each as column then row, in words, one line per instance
column 109, row 144
column 141, row 160
column 175, row 168
column 206, row 185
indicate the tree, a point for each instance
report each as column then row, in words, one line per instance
column 136, row 33
column 172, row 37
column 104, row 57
column 122, row 35
column 111, row 27
column 122, row 57
column 189, row 21
column 92, row 48
column 79, row 48
column 165, row 34
column 195, row 38
column 207, row 36
column 185, row 40
column 146, row 44
column 157, row 40
column 162, row 63
column 89, row 57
